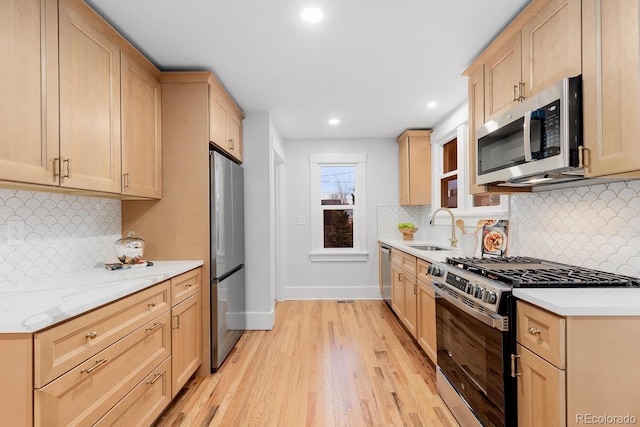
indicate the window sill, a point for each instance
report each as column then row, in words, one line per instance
column 339, row 256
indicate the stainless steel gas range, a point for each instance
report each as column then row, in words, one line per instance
column 475, row 321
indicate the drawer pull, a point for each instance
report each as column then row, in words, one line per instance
column 177, row 322
column 156, row 377
column 155, row 326
column 513, row 366
column 534, row 331
column 99, row 363
column 92, row 335
column 152, row 304
column 189, row 285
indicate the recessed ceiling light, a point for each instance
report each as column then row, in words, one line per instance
column 432, row 105
column 311, row 15
column 334, row 121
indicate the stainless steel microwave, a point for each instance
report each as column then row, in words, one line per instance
column 536, row 142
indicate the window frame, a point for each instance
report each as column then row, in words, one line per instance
column 465, row 207
column 318, row 251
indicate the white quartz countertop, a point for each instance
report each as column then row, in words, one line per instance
column 564, row 302
column 584, row 301
column 432, row 256
column 43, row 303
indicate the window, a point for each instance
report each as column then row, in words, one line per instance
column 338, row 207
column 452, row 183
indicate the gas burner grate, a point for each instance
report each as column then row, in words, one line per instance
column 537, row 273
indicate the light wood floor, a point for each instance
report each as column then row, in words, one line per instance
column 325, row 363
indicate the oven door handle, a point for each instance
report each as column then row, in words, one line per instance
column 495, row 321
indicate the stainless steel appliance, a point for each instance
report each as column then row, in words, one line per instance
column 385, row 273
column 228, row 311
column 475, row 321
column 537, row 142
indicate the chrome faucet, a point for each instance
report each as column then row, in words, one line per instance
column 454, row 241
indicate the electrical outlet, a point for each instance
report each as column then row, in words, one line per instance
column 15, row 232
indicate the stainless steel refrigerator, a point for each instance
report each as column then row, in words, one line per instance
column 228, row 302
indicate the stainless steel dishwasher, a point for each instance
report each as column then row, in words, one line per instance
column 385, row 273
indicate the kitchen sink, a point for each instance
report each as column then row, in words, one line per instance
column 428, row 248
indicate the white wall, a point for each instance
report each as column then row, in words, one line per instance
column 304, row 279
column 261, row 147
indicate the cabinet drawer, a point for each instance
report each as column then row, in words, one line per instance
column 87, row 392
column 423, row 270
column 145, row 402
column 541, row 332
column 404, row 261
column 62, row 347
column 185, row 285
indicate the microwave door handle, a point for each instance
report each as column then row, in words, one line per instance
column 527, row 137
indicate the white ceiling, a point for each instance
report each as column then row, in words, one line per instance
column 375, row 64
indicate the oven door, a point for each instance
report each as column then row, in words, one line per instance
column 472, row 359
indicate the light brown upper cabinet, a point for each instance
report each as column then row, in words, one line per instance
column 611, row 86
column 141, row 128
column 544, row 49
column 415, row 167
column 89, row 103
column 225, row 121
column 540, row 47
column 29, row 87
column 71, row 77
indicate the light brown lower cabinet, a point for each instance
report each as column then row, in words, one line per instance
column 576, row 370
column 427, row 320
column 541, row 392
column 186, row 334
column 120, row 364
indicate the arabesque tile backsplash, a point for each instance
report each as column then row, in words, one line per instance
column 596, row 226
column 62, row 233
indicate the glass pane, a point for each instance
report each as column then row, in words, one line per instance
column 486, row 200
column 450, row 156
column 449, row 192
column 338, row 228
column 338, row 185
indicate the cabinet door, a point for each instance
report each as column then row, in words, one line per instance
column 611, row 85
column 419, row 170
column 234, row 136
column 503, row 77
column 217, row 119
column 551, row 45
column 397, row 291
column 186, row 351
column 89, row 105
column 141, row 129
column 410, row 314
column 29, row 87
column 426, row 333
column 403, row 146
column 541, row 392
column 476, row 118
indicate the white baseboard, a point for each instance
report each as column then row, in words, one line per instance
column 332, row 292
column 261, row 321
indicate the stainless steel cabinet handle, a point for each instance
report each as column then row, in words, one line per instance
column 513, row 366
column 56, row 167
column 156, row 377
column 155, row 326
column 99, row 363
column 68, row 163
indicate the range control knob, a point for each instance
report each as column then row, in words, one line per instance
column 434, row 271
column 479, row 292
column 489, row 297
column 469, row 288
